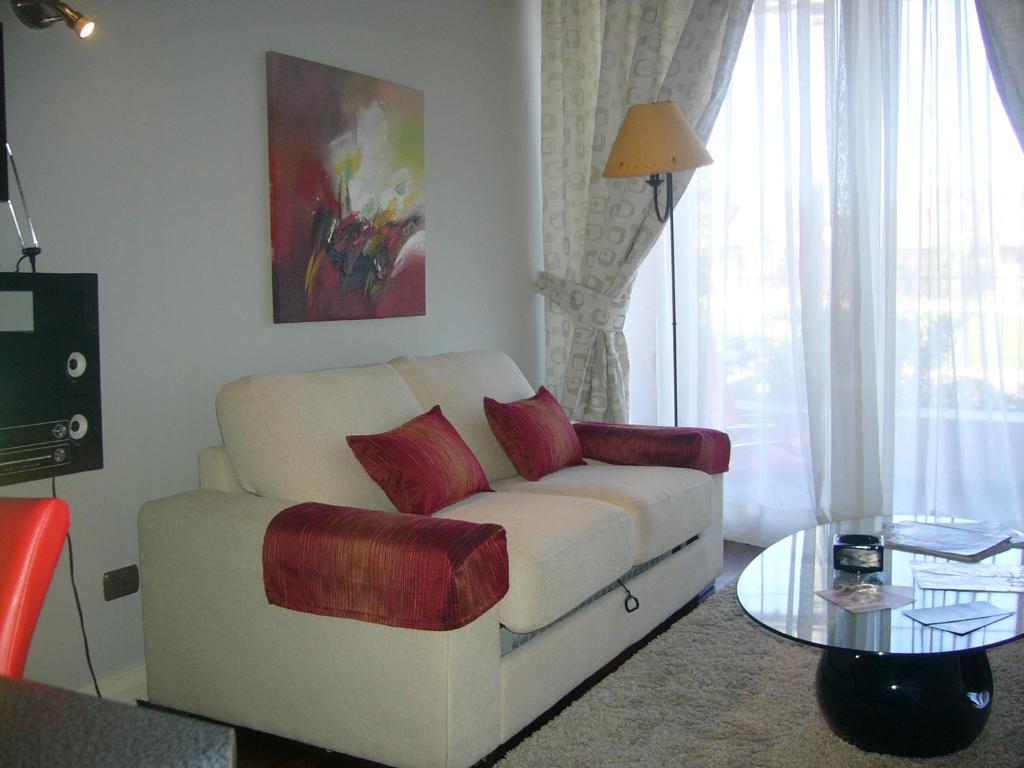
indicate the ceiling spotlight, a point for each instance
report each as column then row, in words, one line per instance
column 40, row 14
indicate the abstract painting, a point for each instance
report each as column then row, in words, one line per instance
column 347, row 210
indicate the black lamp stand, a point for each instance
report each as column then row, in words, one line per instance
column 655, row 180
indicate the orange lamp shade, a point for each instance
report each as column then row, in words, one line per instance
column 655, row 138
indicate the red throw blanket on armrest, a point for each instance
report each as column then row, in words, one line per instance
column 690, row 447
column 384, row 567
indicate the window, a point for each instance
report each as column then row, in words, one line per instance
column 863, row 210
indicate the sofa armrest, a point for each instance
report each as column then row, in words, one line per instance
column 216, row 472
column 216, row 647
column 411, row 571
column 688, row 447
column 225, row 528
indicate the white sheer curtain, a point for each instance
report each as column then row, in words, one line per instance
column 850, row 273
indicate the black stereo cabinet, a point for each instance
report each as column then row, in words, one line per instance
column 50, row 420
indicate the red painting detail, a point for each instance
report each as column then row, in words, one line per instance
column 346, row 194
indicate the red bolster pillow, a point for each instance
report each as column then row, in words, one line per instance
column 689, row 447
column 384, row 567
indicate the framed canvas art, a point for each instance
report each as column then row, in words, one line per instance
column 347, row 209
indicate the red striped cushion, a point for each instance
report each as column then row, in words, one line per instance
column 535, row 434
column 398, row 570
column 689, row 447
column 423, row 465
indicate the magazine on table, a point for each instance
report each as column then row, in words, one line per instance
column 960, row 618
column 862, row 598
column 993, row 527
column 969, row 577
column 945, row 540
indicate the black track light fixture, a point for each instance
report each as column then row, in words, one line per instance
column 39, row 14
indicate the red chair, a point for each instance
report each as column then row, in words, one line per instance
column 32, row 533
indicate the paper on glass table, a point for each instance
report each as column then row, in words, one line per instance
column 966, row 626
column 1015, row 535
column 868, row 597
column 960, row 619
column 969, row 625
column 943, row 614
column 944, row 540
column 969, row 577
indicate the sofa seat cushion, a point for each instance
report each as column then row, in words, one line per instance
column 667, row 505
column 560, row 550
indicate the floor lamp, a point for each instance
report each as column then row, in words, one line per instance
column 656, row 139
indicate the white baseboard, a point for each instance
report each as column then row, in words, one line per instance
column 126, row 685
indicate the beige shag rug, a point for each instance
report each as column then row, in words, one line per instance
column 716, row 690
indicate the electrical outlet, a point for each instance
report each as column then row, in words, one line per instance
column 123, row 581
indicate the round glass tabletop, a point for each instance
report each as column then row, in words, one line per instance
column 777, row 589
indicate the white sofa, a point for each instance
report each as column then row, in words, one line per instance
column 406, row 697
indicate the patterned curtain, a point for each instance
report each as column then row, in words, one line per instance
column 600, row 57
column 1002, row 29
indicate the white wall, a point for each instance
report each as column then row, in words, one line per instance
column 144, row 154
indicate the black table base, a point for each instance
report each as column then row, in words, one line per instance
column 915, row 706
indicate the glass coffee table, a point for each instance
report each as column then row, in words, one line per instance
column 885, row 683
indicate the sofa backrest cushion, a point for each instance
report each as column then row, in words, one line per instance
column 285, row 432
column 458, row 382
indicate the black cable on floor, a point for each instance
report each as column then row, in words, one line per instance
column 78, row 603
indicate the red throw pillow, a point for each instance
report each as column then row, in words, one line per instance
column 423, row 465
column 535, row 434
